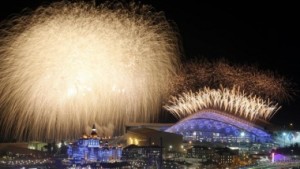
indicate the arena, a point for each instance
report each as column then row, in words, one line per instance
column 215, row 126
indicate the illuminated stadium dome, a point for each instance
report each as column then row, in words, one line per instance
column 215, row 126
column 221, row 115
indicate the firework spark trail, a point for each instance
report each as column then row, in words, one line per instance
column 227, row 100
column 197, row 74
column 68, row 65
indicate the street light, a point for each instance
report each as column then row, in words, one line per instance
column 242, row 134
column 194, row 136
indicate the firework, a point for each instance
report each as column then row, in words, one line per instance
column 232, row 101
column 197, row 74
column 68, row 65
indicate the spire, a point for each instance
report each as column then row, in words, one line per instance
column 94, row 133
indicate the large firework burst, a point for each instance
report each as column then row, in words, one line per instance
column 68, row 65
column 196, row 74
column 232, row 101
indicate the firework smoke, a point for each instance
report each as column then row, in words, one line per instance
column 197, row 74
column 232, row 101
column 69, row 65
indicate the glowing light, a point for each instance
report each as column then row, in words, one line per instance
column 69, row 65
column 136, row 141
column 227, row 100
column 130, row 140
column 242, row 134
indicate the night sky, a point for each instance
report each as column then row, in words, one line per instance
column 258, row 34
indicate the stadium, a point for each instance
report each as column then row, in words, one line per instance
column 222, row 116
column 210, row 125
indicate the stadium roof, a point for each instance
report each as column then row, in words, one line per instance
column 218, row 117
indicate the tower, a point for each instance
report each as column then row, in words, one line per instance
column 94, row 132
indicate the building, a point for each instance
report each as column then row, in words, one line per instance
column 218, row 127
column 19, row 149
column 209, row 127
column 36, row 145
column 92, row 148
column 225, row 156
column 147, row 137
column 286, row 137
column 143, row 155
column 202, row 153
column 154, row 126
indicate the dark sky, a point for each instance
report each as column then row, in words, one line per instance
column 256, row 34
column 247, row 33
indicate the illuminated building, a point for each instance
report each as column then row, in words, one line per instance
column 146, row 137
column 147, row 155
column 36, row 145
column 202, row 153
column 225, row 156
column 92, row 148
column 286, row 137
column 218, row 127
